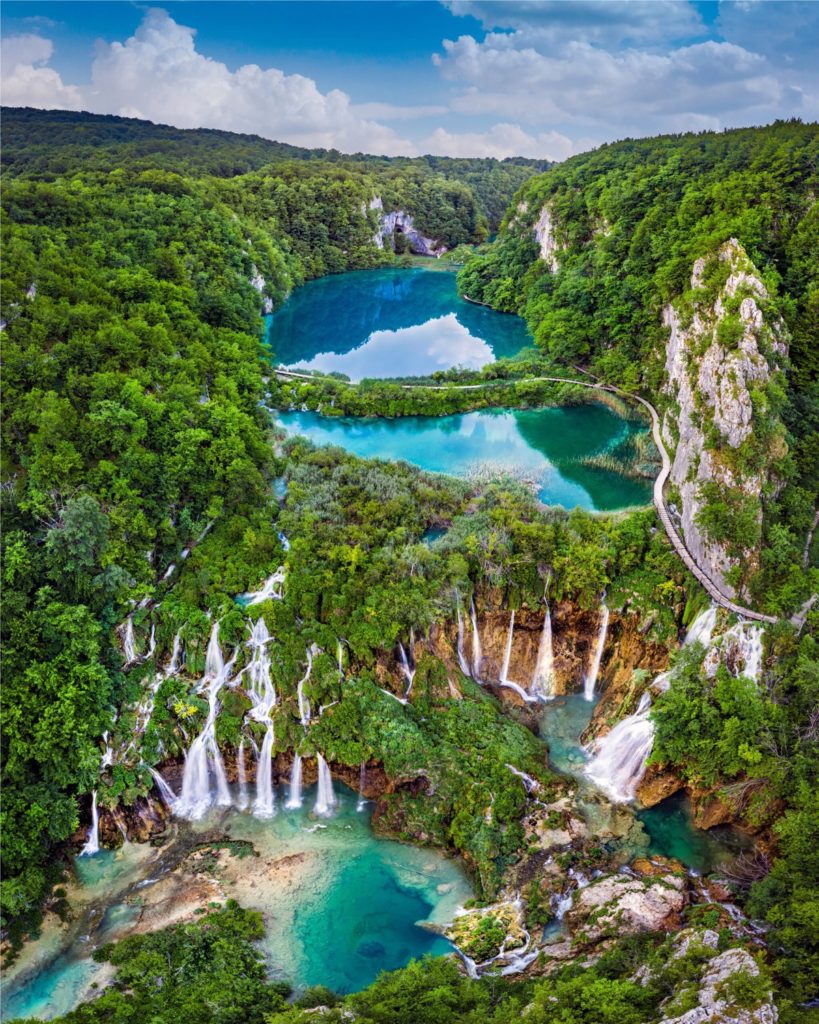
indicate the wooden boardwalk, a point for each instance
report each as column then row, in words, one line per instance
column 659, row 483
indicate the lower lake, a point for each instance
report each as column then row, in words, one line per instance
column 570, row 455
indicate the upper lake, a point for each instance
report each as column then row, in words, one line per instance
column 389, row 323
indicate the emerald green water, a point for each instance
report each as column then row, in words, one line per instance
column 668, row 827
column 544, row 446
column 339, row 904
column 389, row 323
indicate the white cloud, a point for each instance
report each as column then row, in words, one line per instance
column 395, row 112
column 611, row 93
column 158, row 74
column 502, row 140
column 607, row 22
column 26, row 80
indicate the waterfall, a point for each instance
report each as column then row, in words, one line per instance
column 340, row 658
column 326, row 798
column 151, row 641
column 543, row 678
column 129, row 642
column 285, row 543
column 591, row 678
column 304, row 703
column 92, row 844
column 271, row 589
column 530, row 785
column 241, row 773
column 203, row 754
column 165, row 790
column 462, row 662
column 749, row 643
column 507, row 654
column 362, row 781
column 173, row 665
column 406, row 668
column 108, row 753
column 262, row 692
column 702, row 627
column 477, row 654
column 294, row 796
column 619, row 764
column 263, row 806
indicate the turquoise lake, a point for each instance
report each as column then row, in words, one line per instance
column 349, row 909
column 543, row 446
column 389, row 323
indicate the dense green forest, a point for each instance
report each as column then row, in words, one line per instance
column 142, row 476
column 49, row 144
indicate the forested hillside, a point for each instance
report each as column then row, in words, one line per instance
column 48, row 144
column 607, row 252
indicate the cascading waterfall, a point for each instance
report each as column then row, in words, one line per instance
column 203, row 754
column 262, row 693
column 591, row 678
column 129, row 642
column 271, row 589
column 173, row 665
column 507, row 653
column 406, row 668
column 742, row 643
column 619, row 764
column 462, row 662
column 530, row 785
column 294, row 795
column 151, row 642
column 263, row 805
column 285, row 543
column 362, row 781
column 543, row 678
column 702, row 627
column 325, row 798
column 620, row 759
column 477, row 654
column 340, row 659
column 507, row 656
column 304, row 703
column 165, row 790
column 92, row 844
column 241, row 772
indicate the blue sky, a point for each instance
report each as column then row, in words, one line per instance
column 464, row 77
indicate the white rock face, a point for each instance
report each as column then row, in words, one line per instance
column 703, row 372
column 398, row 220
column 628, row 905
column 259, row 283
column 715, row 1006
column 545, row 235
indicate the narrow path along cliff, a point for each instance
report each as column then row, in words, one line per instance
column 659, row 484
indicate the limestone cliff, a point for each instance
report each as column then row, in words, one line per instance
column 546, row 238
column 401, row 222
column 722, row 356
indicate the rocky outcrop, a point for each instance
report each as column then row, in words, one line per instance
column 619, row 905
column 720, row 993
column 399, row 222
column 260, row 284
column 546, row 239
column 485, row 933
column 720, row 355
